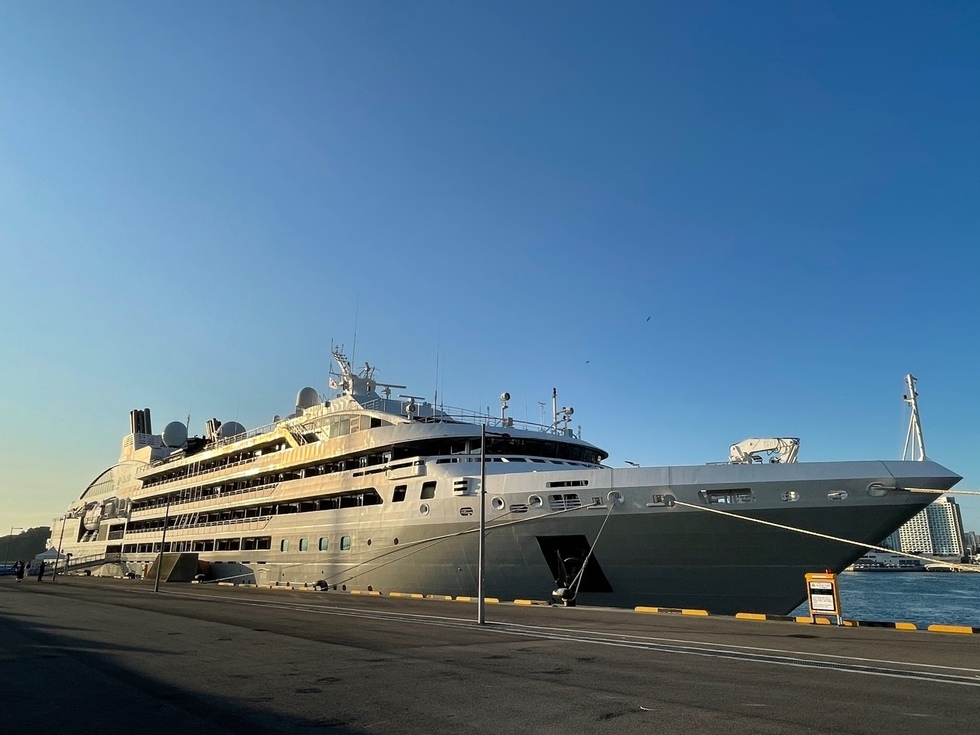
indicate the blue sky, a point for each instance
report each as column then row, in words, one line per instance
column 701, row 221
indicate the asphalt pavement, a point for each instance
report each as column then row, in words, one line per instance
column 95, row 655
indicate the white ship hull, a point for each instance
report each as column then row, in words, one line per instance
column 311, row 501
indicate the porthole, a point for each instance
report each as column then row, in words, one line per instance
column 369, row 542
column 790, row 496
column 424, row 509
column 497, row 504
column 535, row 501
column 396, row 542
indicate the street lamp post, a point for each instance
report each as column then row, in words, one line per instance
column 61, row 538
column 166, row 520
column 6, row 553
column 480, row 602
column 481, row 605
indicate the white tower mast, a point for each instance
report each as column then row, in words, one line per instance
column 915, row 426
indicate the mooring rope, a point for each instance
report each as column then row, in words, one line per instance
column 413, row 547
column 577, row 582
column 860, row 544
column 940, row 492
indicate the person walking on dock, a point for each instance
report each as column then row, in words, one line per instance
column 19, row 570
column 40, row 571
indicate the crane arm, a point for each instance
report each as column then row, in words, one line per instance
column 745, row 452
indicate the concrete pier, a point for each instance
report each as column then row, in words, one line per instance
column 87, row 654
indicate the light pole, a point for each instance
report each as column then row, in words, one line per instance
column 481, row 605
column 6, row 553
column 54, row 574
column 166, row 520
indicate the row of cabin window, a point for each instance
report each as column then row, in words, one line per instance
column 367, row 496
column 360, row 498
column 229, row 487
column 251, row 543
column 205, row 466
column 324, row 544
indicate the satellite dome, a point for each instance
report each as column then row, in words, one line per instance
column 230, row 428
column 307, row 398
column 174, row 434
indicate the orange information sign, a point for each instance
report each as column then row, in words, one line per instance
column 822, row 594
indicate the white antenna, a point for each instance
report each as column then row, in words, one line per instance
column 357, row 308
column 915, row 425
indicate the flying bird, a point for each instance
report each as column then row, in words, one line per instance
column 648, row 318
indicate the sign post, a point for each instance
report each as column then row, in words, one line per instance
column 822, row 595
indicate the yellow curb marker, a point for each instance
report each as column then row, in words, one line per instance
column 950, row 629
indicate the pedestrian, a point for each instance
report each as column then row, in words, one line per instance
column 19, row 570
column 40, row 571
column 146, row 569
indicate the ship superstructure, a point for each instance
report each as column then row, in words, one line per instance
column 362, row 490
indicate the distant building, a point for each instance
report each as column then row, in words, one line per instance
column 937, row 530
column 971, row 541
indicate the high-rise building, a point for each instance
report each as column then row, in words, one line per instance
column 936, row 530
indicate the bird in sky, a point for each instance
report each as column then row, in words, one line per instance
column 648, row 318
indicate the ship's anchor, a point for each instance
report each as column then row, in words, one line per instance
column 569, row 569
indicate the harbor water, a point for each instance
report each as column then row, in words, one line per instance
column 923, row 598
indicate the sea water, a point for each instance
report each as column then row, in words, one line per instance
column 923, row 598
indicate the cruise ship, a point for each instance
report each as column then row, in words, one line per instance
column 362, row 490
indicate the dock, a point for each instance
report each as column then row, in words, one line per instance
column 92, row 654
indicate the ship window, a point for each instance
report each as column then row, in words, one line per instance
column 727, row 497
column 284, row 545
column 345, row 543
column 304, row 544
column 568, row 483
column 324, row 543
column 428, row 490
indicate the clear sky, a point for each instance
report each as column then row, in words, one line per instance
column 700, row 221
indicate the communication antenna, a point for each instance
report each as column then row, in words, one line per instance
column 357, row 308
column 915, row 425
